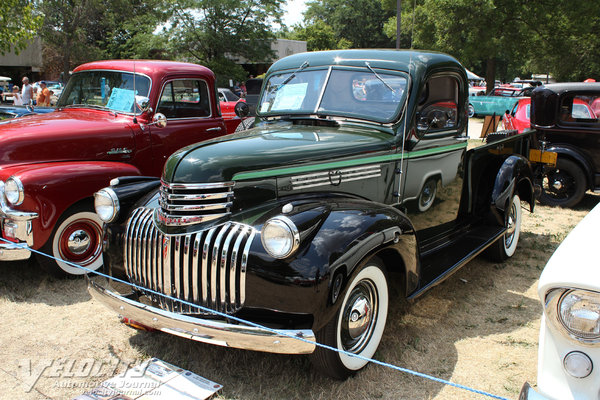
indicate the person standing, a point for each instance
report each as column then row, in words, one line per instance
column 26, row 92
column 17, row 101
column 43, row 96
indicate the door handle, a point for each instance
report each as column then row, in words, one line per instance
column 218, row 128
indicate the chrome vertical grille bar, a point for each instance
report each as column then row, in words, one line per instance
column 233, row 265
column 207, row 267
column 223, row 286
column 214, row 265
column 244, row 266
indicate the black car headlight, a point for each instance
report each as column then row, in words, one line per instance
column 280, row 237
column 106, row 204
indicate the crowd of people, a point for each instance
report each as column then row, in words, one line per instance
column 29, row 94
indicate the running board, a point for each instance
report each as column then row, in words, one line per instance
column 457, row 253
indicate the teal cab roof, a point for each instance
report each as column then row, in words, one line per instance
column 417, row 63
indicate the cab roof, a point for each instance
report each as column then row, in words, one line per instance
column 151, row 68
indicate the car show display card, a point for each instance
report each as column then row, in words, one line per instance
column 154, row 379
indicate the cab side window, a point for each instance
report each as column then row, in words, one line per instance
column 184, row 98
column 437, row 109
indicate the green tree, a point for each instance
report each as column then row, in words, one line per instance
column 355, row 23
column 214, row 32
column 318, row 36
column 19, row 22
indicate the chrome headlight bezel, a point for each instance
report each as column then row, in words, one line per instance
column 14, row 193
column 285, row 227
column 106, row 204
column 554, row 302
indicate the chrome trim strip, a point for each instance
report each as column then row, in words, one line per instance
column 196, row 265
column 193, row 207
column 234, row 266
column 205, row 256
column 209, row 331
column 223, row 268
column 195, row 197
column 166, row 266
column 184, row 220
column 328, row 177
column 192, row 186
column 176, row 271
column 186, row 269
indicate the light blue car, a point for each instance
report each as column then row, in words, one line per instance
column 497, row 101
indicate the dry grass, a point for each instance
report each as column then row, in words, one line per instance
column 479, row 329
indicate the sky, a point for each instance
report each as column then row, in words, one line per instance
column 293, row 12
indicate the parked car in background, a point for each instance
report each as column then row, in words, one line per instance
column 569, row 342
column 9, row 112
column 497, row 102
column 562, row 115
column 253, row 87
column 228, row 101
column 109, row 122
column 302, row 223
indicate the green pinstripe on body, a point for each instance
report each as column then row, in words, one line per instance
column 347, row 163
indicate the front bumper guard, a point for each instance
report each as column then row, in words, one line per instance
column 20, row 222
column 527, row 393
column 205, row 330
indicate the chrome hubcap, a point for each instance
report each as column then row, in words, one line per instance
column 510, row 225
column 79, row 242
column 558, row 185
column 358, row 319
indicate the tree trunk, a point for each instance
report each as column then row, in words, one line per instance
column 490, row 74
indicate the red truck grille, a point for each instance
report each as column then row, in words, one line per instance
column 187, row 204
column 207, row 267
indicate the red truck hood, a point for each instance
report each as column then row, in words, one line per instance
column 64, row 135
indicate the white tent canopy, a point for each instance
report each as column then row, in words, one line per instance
column 4, row 78
column 471, row 76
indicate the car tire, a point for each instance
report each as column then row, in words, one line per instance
column 350, row 331
column 77, row 238
column 427, row 196
column 506, row 246
column 564, row 185
column 471, row 111
column 246, row 123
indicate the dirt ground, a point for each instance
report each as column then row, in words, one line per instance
column 479, row 328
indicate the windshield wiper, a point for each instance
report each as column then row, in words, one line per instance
column 379, row 77
column 293, row 75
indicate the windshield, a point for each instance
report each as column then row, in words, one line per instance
column 347, row 93
column 112, row 90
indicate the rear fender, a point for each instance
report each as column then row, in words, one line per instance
column 577, row 156
column 51, row 188
column 337, row 236
column 514, row 176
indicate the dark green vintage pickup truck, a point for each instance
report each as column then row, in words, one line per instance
column 356, row 176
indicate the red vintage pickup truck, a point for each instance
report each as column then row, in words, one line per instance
column 107, row 124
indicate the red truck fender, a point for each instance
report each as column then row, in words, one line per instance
column 57, row 190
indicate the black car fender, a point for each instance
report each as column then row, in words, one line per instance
column 514, row 176
column 337, row 236
column 571, row 152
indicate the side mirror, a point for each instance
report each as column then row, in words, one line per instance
column 159, row 120
column 143, row 103
column 242, row 109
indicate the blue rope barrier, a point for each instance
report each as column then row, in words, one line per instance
column 264, row 328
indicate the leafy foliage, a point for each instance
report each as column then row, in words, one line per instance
column 19, row 22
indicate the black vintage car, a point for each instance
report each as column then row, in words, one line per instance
column 566, row 118
column 357, row 176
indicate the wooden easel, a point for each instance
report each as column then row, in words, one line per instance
column 490, row 124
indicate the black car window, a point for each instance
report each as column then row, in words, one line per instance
column 578, row 109
column 184, row 98
column 438, row 113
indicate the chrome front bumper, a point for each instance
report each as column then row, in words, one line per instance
column 13, row 252
column 527, row 393
column 21, row 227
column 205, row 330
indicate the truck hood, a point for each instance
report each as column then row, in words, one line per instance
column 72, row 134
column 269, row 150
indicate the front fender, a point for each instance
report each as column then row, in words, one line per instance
column 337, row 235
column 514, row 176
column 51, row 188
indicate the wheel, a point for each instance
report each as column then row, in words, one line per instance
column 563, row 186
column 77, row 238
column 247, row 123
column 505, row 247
column 471, row 111
column 358, row 326
column 427, row 195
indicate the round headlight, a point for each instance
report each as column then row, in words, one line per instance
column 579, row 312
column 13, row 191
column 280, row 237
column 106, row 204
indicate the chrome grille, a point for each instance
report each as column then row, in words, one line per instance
column 186, row 204
column 207, row 267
